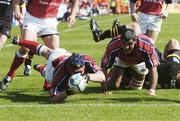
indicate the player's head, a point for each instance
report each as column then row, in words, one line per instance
column 128, row 40
column 76, row 64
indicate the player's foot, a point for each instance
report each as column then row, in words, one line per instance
column 5, row 82
column 46, row 86
column 95, row 30
column 15, row 40
column 27, row 70
column 116, row 22
column 38, row 67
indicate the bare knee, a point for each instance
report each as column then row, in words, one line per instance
column 23, row 51
column 135, row 26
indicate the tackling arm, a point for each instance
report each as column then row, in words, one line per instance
column 97, row 77
column 18, row 15
column 153, row 77
column 74, row 10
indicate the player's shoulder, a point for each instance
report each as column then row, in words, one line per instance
column 144, row 40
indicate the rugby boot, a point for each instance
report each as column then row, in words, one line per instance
column 96, row 31
column 27, row 70
column 5, row 82
column 116, row 22
column 15, row 40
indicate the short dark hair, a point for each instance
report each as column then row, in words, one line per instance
column 76, row 60
column 128, row 34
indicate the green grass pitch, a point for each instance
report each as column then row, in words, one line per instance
column 25, row 99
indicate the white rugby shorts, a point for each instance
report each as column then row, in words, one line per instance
column 41, row 26
column 140, row 68
column 150, row 22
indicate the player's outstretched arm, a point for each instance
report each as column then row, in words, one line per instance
column 97, row 77
column 153, row 77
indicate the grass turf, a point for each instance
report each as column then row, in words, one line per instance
column 25, row 99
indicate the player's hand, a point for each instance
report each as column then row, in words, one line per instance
column 151, row 92
column 108, row 93
column 86, row 77
column 71, row 21
column 164, row 15
column 135, row 17
column 18, row 16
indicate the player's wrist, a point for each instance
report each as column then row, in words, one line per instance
column 87, row 77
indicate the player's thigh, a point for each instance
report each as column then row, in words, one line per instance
column 29, row 34
column 3, row 39
column 52, row 41
column 140, row 69
column 143, row 22
column 152, row 34
column 5, row 27
column 49, row 27
column 155, row 23
column 23, row 51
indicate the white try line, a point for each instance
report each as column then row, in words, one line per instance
column 87, row 105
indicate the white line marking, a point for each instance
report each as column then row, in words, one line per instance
column 82, row 26
column 87, row 105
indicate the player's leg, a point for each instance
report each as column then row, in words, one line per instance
column 135, row 26
column 137, row 80
column 139, row 71
column 20, row 55
column 5, row 28
column 29, row 32
column 152, row 34
column 34, row 47
column 52, row 41
column 41, row 69
column 170, row 48
column 50, row 36
column 100, row 35
column 3, row 39
column 96, row 31
column 18, row 60
column 38, row 49
column 115, row 77
column 153, row 27
column 28, row 63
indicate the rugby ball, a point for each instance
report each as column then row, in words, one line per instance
column 77, row 83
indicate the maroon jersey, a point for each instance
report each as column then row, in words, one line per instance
column 43, row 8
column 61, row 76
column 152, row 7
column 143, row 52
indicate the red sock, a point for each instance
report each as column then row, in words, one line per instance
column 47, row 86
column 33, row 46
column 41, row 69
column 15, row 65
